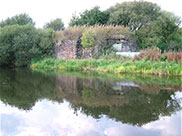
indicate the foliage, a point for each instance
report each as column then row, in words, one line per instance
column 99, row 38
column 90, row 17
column 20, row 44
column 21, row 19
column 88, row 38
column 95, row 36
column 153, row 26
column 155, row 54
column 134, row 14
column 46, row 43
column 71, row 33
column 112, row 66
column 164, row 32
column 56, row 25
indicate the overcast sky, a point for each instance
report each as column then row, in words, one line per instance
column 43, row 11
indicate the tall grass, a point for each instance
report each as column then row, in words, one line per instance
column 111, row 66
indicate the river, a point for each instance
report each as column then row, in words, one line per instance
column 47, row 103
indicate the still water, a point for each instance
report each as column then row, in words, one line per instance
column 88, row 104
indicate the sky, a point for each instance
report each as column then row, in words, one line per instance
column 43, row 11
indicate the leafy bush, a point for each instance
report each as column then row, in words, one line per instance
column 164, row 32
column 21, row 19
column 20, row 44
column 56, row 25
column 46, row 43
column 155, row 54
column 88, row 38
column 172, row 56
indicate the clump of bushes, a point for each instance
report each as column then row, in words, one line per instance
column 155, row 54
column 172, row 56
column 19, row 44
column 88, row 38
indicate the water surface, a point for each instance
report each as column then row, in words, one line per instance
column 88, row 104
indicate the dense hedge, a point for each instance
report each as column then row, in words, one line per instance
column 19, row 44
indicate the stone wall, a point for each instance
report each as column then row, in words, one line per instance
column 87, row 53
column 72, row 49
column 67, row 50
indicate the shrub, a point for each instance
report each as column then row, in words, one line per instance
column 20, row 44
column 21, row 19
column 155, row 54
column 56, row 24
column 173, row 56
column 88, row 38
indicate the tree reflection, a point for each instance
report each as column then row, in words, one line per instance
column 22, row 88
column 122, row 100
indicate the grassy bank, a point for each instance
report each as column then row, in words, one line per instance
column 111, row 66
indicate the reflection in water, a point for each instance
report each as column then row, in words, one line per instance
column 66, row 104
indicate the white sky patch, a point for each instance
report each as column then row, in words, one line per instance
column 43, row 11
column 48, row 118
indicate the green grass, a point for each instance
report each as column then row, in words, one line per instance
column 111, row 66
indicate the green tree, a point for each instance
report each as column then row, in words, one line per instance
column 20, row 44
column 21, row 19
column 56, row 25
column 90, row 17
column 134, row 14
column 164, row 32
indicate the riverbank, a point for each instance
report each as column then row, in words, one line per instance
column 111, row 66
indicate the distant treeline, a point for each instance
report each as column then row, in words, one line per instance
column 20, row 41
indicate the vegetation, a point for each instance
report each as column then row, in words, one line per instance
column 88, row 38
column 21, row 19
column 112, row 66
column 56, row 25
column 152, row 26
column 155, row 54
column 134, row 14
column 138, row 21
column 164, row 32
column 19, row 44
column 90, row 17
column 99, row 38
